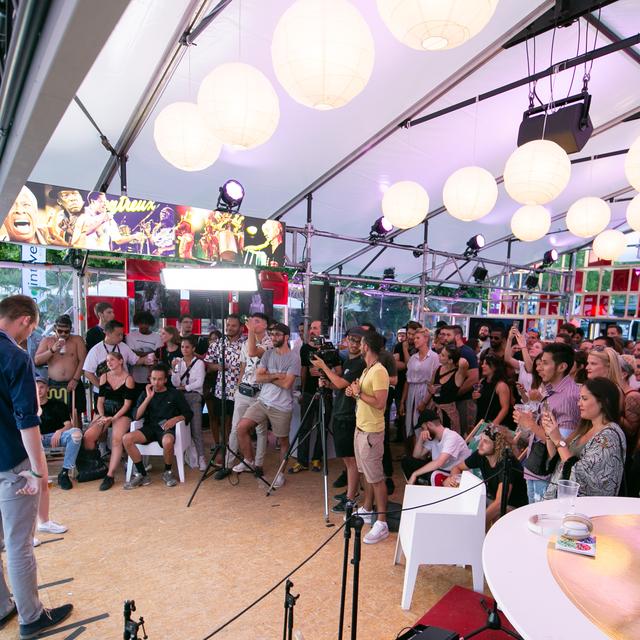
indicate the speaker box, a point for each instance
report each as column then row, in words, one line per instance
column 321, row 303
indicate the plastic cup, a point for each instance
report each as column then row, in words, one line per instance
column 151, row 358
column 567, row 494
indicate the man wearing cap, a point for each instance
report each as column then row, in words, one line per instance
column 64, row 354
column 277, row 373
column 443, row 446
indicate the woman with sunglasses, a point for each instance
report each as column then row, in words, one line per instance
column 489, row 459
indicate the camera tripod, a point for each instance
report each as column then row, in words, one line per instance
column 131, row 627
column 317, row 401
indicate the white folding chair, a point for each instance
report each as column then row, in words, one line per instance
column 183, row 440
column 450, row 532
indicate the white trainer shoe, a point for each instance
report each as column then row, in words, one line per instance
column 36, row 542
column 202, row 463
column 51, row 527
column 379, row 532
column 367, row 516
column 279, row 481
column 241, row 466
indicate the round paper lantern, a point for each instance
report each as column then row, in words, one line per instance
column 405, row 204
column 435, row 24
column 183, row 139
column 537, row 172
column 633, row 213
column 530, row 223
column 609, row 245
column 239, row 105
column 632, row 165
column 588, row 216
column 322, row 52
column 470, row 193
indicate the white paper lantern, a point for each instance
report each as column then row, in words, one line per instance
column 588, row 216
column 405, row 204
column 239, row 105
column 183, row 139
column 632, row 165
column 322, row 52
column 633, row 213
column 435, row 24
column 470, row 193
column 530, row 222
column 537, row 172
column 609, row 245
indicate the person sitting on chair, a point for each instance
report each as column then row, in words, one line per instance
column 161, row 408
column 445, row 448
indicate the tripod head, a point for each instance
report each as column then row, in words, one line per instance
column 131, row 627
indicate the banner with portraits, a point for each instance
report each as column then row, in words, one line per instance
column 65, row 217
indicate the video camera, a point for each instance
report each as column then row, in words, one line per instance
column 325, row 350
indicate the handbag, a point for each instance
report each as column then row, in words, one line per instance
column 249, row 390
column 538, row 459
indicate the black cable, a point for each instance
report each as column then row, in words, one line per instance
column 573, row 74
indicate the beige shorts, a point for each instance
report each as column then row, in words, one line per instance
column 369, row 449
column 280, row 420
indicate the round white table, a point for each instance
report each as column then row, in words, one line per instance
column 517, row 572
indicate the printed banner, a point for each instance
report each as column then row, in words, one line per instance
column 54, row 216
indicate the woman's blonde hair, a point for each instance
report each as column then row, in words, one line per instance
column 609, row 358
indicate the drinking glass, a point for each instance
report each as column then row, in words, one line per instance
column 567, row 494
column 436, row 390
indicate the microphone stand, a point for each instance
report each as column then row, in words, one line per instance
column 355, row 522
column 494, row 623
column 289, row 604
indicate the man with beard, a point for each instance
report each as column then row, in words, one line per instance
column 62, row 222
column 21, row 223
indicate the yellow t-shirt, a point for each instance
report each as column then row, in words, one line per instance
column 369, row 418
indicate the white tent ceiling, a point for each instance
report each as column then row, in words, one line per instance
column 309, row 143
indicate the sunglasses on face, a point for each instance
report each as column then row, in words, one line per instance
column 65, row 332
column 355, row 340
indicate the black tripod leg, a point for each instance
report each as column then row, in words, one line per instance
column 205, row 473
column 345, row 566
column 358, row 523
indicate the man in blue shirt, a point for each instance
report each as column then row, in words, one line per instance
column 22, row 467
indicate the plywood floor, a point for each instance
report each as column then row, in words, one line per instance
column 190, row 570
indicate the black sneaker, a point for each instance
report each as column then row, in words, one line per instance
column 221, row 474
column 340, row 497
column 391, row 487
column 49, row 618
column 106, row 484
column 64, row 481
column 341, row 480
column 8, row 616
column 339, row 508
column 259, row 471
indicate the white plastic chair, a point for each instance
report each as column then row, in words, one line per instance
column 183, row 440
column 450, row 532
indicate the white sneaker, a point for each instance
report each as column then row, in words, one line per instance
column 241, row 466
column 279, row 481
column 379, row 532
column 36, row 542
column 202, row 463
column 51, row 527
column 364, row 514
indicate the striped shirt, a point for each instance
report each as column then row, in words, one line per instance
column 562, row 398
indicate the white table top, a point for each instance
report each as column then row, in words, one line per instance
column 517, row 572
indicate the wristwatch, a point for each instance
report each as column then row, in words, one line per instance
column 561, row 443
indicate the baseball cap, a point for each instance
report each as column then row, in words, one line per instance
column 399, row 331
column 356, row 331
column 281, row 327
column 41, row 377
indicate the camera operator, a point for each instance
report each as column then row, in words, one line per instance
column 344, row 410
column 309, row 375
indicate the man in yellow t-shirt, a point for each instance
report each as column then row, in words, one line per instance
column 371, row 392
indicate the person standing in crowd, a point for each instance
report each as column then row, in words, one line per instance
column 309, row 376
column 630, row 416
column 344, row 412
column 104, row 312
column 276, row 373
column 258, row 342
column 161, row 408
column 604, row 363
column 593, row 455
column 371, row 391
column 497, row 340
column 143, row 342
column 169, row 348
column 483, row 337
column 465, row 404
column 64, row 354
column 185, row 323
column 232, row 347
column 614, row 331
column 447, row 380
column 116, row 396
column 402, row 352
column 188, row 377
column 444, row 447
column 530, row 350
column 401, row 335
column 494, row 398
column 23, row 466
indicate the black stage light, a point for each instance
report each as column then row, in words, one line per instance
column 532, row 281
column 474, row 244
column 380, row 228
column 479, row 274
column 389, row 273
column 549, row 257
column 231, row 194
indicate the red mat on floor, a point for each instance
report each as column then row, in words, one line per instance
column 460, row 610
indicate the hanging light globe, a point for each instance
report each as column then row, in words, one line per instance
column 239, row 105
column 587, row 217
column 322, row 52
column 632, row 165
column 633, row 213
column 609, row 245
column 405, row 204
column 537, row 172
column 470, row 193
column 183, row 139
column 433, row 25
column 530, row 222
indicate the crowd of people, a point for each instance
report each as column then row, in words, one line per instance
column 567, row 408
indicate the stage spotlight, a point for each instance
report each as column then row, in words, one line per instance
column 389, row 273
column 479, row 274
column 474, row 244
column 380, row 228
column 230, row 197
column 549, row 258
column 531, row 281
